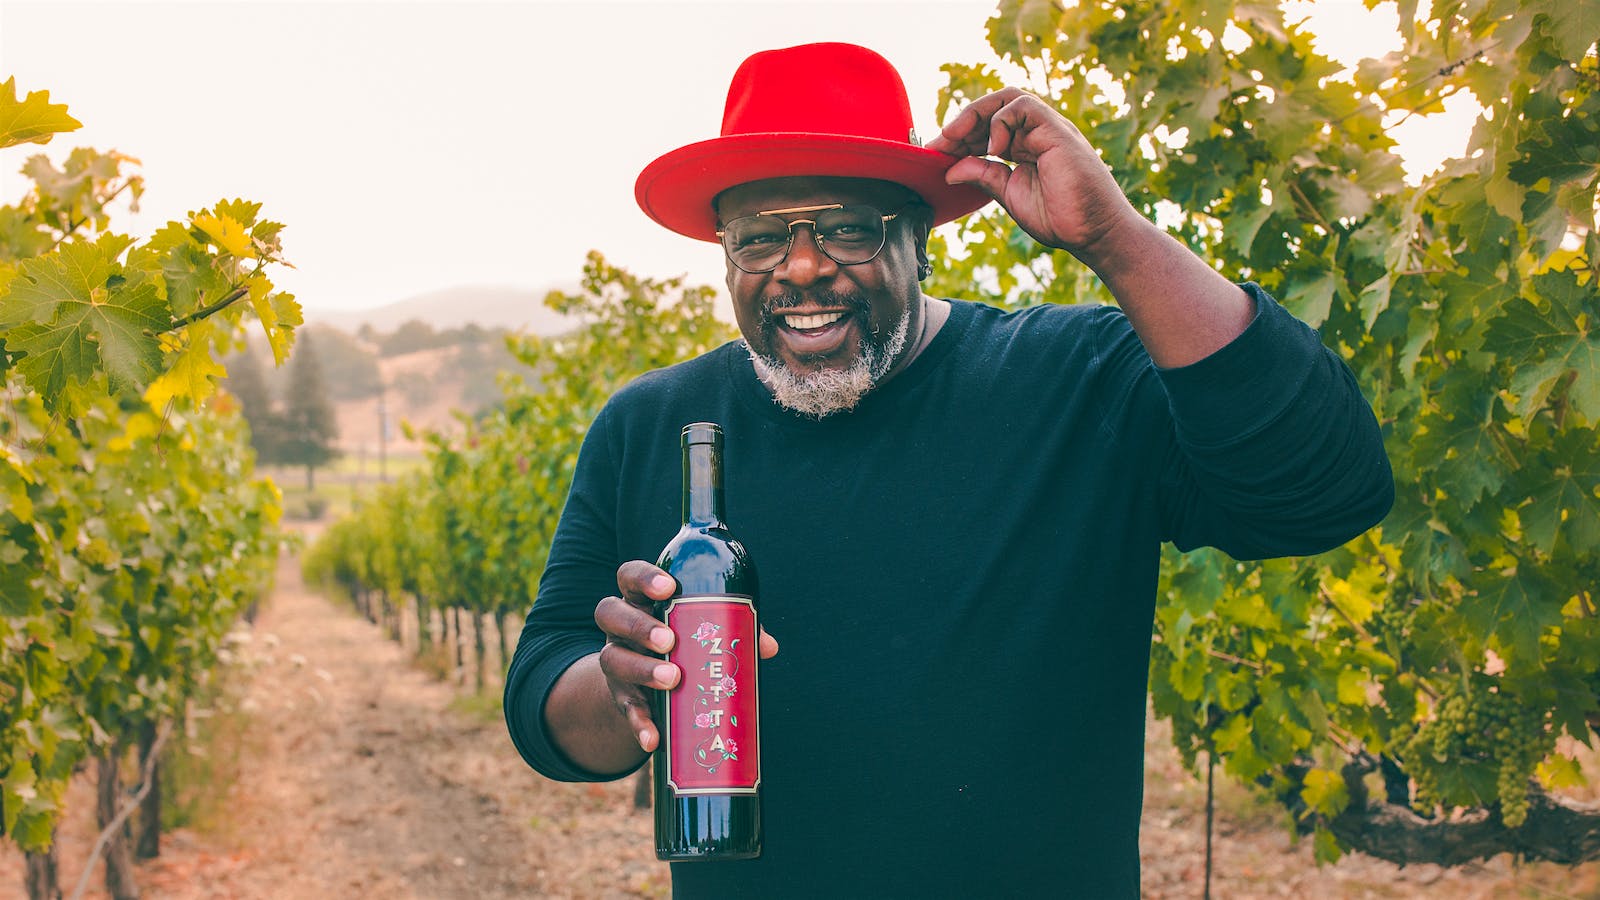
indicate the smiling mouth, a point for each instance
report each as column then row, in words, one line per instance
column 810, row 322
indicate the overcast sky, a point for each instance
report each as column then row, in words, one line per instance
column 410, row 146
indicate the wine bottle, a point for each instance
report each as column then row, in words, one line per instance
column 708, row 768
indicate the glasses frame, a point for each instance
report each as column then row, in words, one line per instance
column 816, row 238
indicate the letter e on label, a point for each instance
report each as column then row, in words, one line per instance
column 725, row 758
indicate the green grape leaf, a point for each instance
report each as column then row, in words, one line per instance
column 1310, row 299
column 1548, row 341
column 34, row 828
column 79, row 272
column 1463, row 453
column 1571, row 25
column 190, row 277
column 1325, row 847
column 114, row 331
column 1515, row 607
column 1564, row 502
column 34, row 120
column 1565, row 149
column 18, row 595
column 15, row 791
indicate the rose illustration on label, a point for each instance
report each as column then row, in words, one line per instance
column 716, row 704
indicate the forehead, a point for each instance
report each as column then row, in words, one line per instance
column 780, row 193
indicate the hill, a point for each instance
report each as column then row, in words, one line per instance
column 518, row 309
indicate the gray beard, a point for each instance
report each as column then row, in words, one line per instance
column 824, row 392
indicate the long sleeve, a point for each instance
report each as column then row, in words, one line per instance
column 1271, row 449
column 1274, row 451
column 560, row 629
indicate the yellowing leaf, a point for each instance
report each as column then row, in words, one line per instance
column 1352, row 688
column 1325, row 792
column 21, row 503
column 225, row 232
column 1349, row 599
column 34, row 120
column 1560, row 772
column 18, row 464
column 140, row 426
column 260, row 287
column 193, row 375
column 286, row 315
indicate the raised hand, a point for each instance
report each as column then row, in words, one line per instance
column 1057, row 189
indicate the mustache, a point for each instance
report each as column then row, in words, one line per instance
column 776, row 305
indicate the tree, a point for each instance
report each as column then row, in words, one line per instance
column 309, row 425
column 247, row 385
column 1446, row 652
column 410, row 337
column 348, row 367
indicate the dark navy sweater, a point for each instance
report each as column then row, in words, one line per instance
column 962, row 575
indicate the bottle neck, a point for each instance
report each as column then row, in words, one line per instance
column 702, row 485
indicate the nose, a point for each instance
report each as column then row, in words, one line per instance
column 806, row 263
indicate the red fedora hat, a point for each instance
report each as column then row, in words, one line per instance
column 816, row 109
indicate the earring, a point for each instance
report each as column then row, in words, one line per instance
column 924, row 269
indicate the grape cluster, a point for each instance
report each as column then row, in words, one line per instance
column 1479, row 727
column 1394, row 618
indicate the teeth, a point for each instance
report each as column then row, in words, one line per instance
column 817, row 321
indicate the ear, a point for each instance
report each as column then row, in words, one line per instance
column 921, row 224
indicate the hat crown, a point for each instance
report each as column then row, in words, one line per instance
column 827, row 88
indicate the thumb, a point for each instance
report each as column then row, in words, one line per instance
column 766, row 645
column 988, row 175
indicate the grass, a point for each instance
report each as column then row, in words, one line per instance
column 206, row 754
column 484, row 708
column 339, row 487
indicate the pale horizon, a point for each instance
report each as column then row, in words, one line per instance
column 414, row 147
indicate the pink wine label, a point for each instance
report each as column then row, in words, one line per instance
column 712, row 730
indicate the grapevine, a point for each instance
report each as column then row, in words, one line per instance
column 480, row 517
column 1455, row 645
column 1481, row 747
column 132, row 531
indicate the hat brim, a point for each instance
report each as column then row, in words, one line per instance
column 677, row 188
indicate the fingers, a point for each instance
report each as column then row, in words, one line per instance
column 637, row 711
column 642, row 583
column 633, row 669
column 1008, row 124
column 989, row 175
column 628, row 672
column 968, row 133
column 631, row 635
column 631, row 625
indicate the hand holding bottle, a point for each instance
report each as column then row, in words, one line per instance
column 634, row 637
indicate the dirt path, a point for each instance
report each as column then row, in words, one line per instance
column 359, row 778
column 370, row 784
column 359, row 775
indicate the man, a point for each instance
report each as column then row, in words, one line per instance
column 956, row 512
